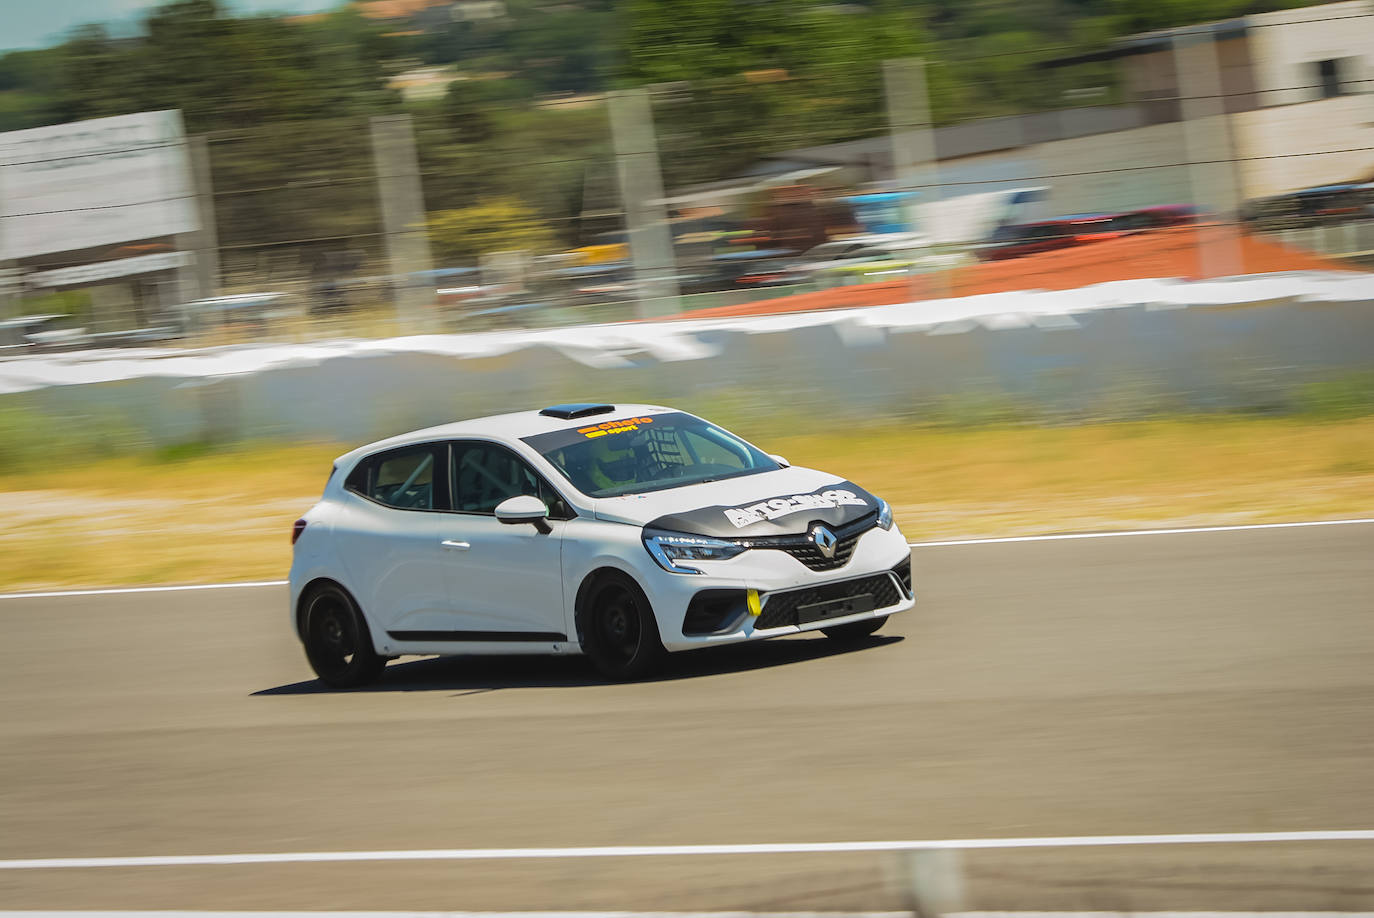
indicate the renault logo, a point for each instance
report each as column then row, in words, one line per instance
column 825, row 540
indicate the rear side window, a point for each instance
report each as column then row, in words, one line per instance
column 402, row 478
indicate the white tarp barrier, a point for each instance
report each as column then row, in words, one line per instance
column 1239, row 342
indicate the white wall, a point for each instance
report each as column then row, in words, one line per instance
column 1103, row 172
column 1298, row 146
column 1109, row 349
column 1287, row 44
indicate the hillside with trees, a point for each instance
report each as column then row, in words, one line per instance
column 285, row 100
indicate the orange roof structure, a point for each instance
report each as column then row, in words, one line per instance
column 395, row 9
column 1162, row 253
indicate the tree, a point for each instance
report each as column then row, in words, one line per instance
column 761, row 76
column 467, row 114
column 497, row 225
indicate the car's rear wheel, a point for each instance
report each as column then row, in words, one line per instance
column 337, row 642
column 855, row 631
column 619, row 631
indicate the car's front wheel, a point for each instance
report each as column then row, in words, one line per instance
column 337, row 642
column 619, row 631
column 854, row 631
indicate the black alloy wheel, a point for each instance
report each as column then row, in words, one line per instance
column 619, row 632
column 337, row 642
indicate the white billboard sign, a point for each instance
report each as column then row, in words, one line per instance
column 92, row 183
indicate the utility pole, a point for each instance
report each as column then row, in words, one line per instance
column 641, row 191
column 403, row 220
column 1209, row 151
column 915, row 162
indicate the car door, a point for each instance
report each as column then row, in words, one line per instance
column 505, row 581
column 388, row 535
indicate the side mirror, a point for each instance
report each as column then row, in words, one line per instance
column 524, row 509
column 780, row 461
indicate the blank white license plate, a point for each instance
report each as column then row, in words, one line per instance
column 835, row 608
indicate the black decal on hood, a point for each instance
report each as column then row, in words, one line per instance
column 783, row 514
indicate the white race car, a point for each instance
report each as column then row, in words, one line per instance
column 619, row 532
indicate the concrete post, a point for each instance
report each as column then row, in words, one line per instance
column 915, row 161
column 641, row 192
column 10, row 277
column 933, row 880
column 1209, row 150
column 403, row 220
column 206, row 239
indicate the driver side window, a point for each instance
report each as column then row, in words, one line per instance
column 485, row 474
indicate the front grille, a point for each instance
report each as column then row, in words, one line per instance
column 784, row 607
column 804, row 549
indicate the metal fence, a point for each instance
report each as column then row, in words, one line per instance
column 376, row 227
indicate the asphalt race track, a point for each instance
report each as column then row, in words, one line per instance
column 1201, row 682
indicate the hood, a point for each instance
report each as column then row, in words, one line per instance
column 783, row 502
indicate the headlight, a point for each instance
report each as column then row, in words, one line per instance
column 884, row 514
column 668, row 548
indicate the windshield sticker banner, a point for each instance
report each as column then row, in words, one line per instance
column 785, row 506
column 624, row 425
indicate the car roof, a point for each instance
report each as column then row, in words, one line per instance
column 506, row 427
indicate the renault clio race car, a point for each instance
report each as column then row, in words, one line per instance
column 619, row 532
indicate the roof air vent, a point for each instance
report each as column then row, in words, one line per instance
column 577, row 410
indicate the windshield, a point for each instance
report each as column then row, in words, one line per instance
column 637, row 454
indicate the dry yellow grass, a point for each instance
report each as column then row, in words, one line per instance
column 227, row 516
column 963, row 483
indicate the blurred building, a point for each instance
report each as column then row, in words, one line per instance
column 423, row 83
column 430, row 14
column 1295, row 93
column 1295, row 83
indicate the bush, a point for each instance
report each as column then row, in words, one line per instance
column 496, row 225
column 1350, row 396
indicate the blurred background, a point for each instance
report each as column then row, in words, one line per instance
column 1018, row 266
column 229, row 229
column 198, row 176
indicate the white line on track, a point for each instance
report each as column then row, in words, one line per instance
column 491, row 854
column 282, row 914
column 1139, row 532
column 149, row 589
column 937, row 544
column 279, row 914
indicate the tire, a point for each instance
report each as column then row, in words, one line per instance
column 619, row 631
column 337, row 642
column 854, row 631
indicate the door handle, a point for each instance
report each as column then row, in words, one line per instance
column 455, row 545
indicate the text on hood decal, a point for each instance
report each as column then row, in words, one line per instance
column 785, row 506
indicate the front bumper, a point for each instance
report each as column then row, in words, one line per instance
column 712, row 608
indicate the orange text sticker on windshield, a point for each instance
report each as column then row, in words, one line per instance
column 624, row 425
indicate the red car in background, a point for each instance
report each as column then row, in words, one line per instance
column 1020, row 239
column 1160, row 216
